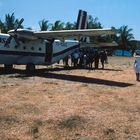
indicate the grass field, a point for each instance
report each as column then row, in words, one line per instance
column 72, row 104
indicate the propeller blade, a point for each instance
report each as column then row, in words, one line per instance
column 14, row 36
column 8, row 41
column 19, row 24
column 16, row 40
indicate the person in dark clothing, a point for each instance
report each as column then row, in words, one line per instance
column 74, row 59
column 103, row 58
column 96, row 59
column 106, row 59
column 91, row 59
column 81, row 59
column 65, row 61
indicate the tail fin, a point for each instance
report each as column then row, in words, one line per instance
column 82, row 20
column 82, row 24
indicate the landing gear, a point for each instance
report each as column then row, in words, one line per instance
column 8, row 67
column 30, row 68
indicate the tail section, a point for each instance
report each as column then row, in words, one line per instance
column 82, row 24
column 82, row 20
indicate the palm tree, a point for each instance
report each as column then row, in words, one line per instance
column 125, row 37
column 134, row 45
column 69, row 26
column 10, row 23
column 44, row 26
column 2, row 27
column 58, row 25
column 93, row 23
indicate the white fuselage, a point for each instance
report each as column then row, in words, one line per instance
column 35, row 51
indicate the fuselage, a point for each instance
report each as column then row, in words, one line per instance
column 38, row 51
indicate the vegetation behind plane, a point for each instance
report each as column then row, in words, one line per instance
column 124, row 39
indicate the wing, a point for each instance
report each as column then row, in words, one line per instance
column 62, row 34
column 101, row 44
column 73, row 33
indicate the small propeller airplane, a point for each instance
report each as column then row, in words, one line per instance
column 30, row 48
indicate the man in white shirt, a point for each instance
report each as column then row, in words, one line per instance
column 137, row 65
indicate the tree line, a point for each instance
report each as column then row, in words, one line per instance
column 124, row 38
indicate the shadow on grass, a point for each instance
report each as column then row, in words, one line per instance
column 48, row 73
column 72, row 122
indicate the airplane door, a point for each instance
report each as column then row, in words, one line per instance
column 49, row 52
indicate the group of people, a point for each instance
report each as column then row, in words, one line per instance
column 85, row 59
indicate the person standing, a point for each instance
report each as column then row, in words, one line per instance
column 103, row 58
column 96, row 59
column 66, row 61
column 137, row 66
column 137, row 69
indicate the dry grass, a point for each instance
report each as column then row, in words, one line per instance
column 71, row 104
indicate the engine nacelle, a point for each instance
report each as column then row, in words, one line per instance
column 23, row 34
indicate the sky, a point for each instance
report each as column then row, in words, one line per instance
column 109, row 12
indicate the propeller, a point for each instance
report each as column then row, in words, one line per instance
column 14, row 35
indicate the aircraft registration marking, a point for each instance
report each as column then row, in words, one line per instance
column 2, row 40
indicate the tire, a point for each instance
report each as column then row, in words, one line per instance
column 30, row 68
column 8, row 67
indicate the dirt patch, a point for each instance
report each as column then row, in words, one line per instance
column 71, row 104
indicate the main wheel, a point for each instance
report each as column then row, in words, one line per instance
column 8, row 67
column 30, row 67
